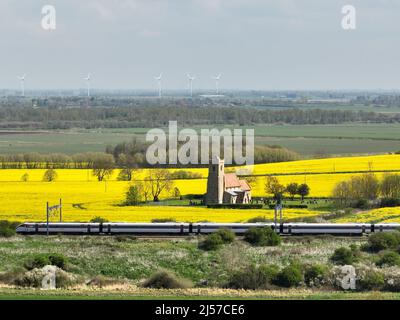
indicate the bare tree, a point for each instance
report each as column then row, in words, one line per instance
column 103, row 166
column 159, row 181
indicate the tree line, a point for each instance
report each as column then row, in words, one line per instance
column 367, row 190
column 156, row 116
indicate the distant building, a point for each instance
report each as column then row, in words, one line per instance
column 226, row 187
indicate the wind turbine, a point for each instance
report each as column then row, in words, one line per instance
column 191, row 78
column 87, row 79
column 159, row 85
column 22, row 79
column 217, row 78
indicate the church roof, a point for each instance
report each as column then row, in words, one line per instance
column 231, row 180
column 244, row 185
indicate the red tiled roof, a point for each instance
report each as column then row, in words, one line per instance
column 231, row 180
column 244, row 185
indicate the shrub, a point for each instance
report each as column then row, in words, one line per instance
column 57, row 259
column 389, row 202
column 343, row 256
column 370, row 280
column 25, row 177
column 253, row 277
column 98, row 220
column 41, row 260
column 291, row 276
column 315, row 275
column 262, row 237
column 383, row 240
column 7, row 229
column 166, row 280
column 50, row 175
column 133, row 196
column 389, row 258
column 212, row 242
column 362, row 204
column 38, row 261
column 226, row 235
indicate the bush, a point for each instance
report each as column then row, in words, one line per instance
column 58, row 260
column 370, row 280
column 315, row 275
column 343, row 256
column 37, row 262
column 133, row 196
column 389, row 202
column 226, row 235
column 362, row 204
column 212, row 242
column 41, row 260
column 291, row 276
column 262, row 237
column 7, row 229
column 389, row 258
column 166, row 280
column 98, row 220
column 383, row 240
column 253, row 277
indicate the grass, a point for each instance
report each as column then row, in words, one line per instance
column 31, row 294
column 130, row 261
column 136, row 259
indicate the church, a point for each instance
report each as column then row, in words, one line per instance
column 226, row 188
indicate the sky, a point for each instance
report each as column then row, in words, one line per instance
column 255, row 44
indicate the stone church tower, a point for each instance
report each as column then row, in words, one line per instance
column 215, row 183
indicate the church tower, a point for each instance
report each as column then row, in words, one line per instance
column 215, row 182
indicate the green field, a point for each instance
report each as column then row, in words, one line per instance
column 308, row 140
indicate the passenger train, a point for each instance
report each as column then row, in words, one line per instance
column 184, row 229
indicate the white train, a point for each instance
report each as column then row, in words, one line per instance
column 201, row 228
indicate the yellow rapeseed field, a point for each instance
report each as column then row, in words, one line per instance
column 84, row 197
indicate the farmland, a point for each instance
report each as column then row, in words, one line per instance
column 85, row 198
column 307, row 140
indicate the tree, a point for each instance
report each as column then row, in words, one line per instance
column 50, row 175
column 25, row 177
column 390, row 186
column 177, row 192
column 341, row 193
column 303, row 191
column 103, row 166
column 134, row 194
column 129, row 164
column 292, row 189
column 272, row 186
column 159, row 181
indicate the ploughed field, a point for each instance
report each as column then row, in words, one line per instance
column 85, row 198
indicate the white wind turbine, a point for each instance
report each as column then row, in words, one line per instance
column 159, row 78
column 87, row 79
column 22, row 79
column 191, row 78
column 217, row 78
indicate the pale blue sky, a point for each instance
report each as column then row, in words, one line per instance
column 255, row 44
